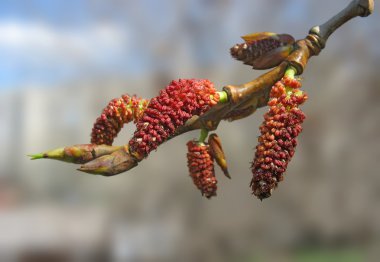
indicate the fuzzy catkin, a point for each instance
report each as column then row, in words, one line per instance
column 201, row 168
column 278, row 140
column 177, row 103
column 118, row 112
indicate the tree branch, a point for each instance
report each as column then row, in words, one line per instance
column 242, row 100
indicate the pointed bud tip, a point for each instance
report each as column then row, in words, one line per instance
column 37, row 156
column 90, row 170
column 82, row 169
column 98, row 166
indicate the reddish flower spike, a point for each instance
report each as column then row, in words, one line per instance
column 278, row 140
column 118, row 112
column 201, row 168
column 177, row 103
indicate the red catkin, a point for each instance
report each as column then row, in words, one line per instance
column 118, row 112
column 177, row 103
column 278, row 140
column 201, row 168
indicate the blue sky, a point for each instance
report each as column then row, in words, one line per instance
column 45, row 42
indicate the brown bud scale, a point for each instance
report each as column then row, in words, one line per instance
column 239, row 113
column 216, row 151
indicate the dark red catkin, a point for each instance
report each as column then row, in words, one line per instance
column 201, row 168
column 249, row 52
column 263, row 50
column 118, row 112
column 277, row 143
column 177, row 103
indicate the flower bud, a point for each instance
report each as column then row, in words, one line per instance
column 263, row 50
column 77, row 154
column 112, row 164
column 217, row 152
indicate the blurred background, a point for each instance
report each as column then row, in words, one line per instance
column 62, row 61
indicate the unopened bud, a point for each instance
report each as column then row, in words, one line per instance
column 217, row 152
column 77, row 154
column 109, row 165
column 263, row 50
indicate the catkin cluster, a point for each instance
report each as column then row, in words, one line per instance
column 118, row 112
column 177, row 103
column 278, row 140
column 201, row 166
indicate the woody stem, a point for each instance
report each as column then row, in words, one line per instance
column 203, row 135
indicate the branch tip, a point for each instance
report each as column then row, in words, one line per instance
column 37, row 156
